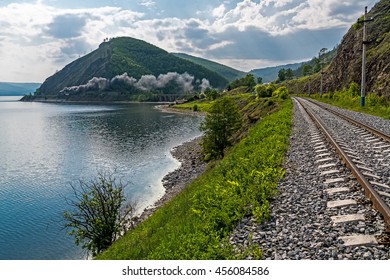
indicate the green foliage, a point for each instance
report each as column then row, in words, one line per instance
column 195, row 108
column 264, row 90
column 247, row 81
column 203, row 105
column 285, row 74
column 210, row 93
column 353, row 89
column 99, row 215
column 348, row 99
column 281, row 92
column 220, row 124
column 196, row 223
column 307, row 69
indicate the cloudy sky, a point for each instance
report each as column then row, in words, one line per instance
column 39, row 37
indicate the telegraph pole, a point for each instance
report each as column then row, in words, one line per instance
column 322, row 51
column 365, row 42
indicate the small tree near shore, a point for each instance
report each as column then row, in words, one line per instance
column 219, row 125
column 99, row 213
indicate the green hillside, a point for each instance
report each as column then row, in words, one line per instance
column 227, row 72
column 269, row 74
column 125, row 55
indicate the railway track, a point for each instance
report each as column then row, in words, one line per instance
column 365, row 152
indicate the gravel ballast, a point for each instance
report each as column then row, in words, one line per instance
column 300, row 225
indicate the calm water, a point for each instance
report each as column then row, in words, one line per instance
column 46, row 147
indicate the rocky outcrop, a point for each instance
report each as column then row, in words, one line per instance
column 346, row 66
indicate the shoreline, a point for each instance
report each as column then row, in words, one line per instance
column 190, row 156
column 167, row 108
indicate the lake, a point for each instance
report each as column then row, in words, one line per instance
column 44, row 148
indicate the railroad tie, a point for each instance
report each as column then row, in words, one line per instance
column 341, row 203
column 337, row 190
column 333, row 181
column 359, row 240
column 342, row 219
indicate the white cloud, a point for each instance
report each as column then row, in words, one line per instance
column 147, row 3
column 33, row 35
column 219, row 11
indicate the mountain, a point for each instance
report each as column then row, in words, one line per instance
column 346, row 65
column 228, row 73
column 17, row 88
column 104, row 70
column 269, row 74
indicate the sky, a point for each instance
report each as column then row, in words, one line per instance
column 40, row 37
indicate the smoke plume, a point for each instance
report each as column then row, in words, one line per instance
column 146, row 83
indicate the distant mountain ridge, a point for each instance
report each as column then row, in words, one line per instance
column 269, row 74
column 17, row 89
column 227, row 72
column 127, row 58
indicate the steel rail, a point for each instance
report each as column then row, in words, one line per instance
column 369, row 191
column 364, row 126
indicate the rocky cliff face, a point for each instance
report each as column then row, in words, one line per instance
column 347, row 64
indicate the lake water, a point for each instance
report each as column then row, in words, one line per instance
column 46, row 147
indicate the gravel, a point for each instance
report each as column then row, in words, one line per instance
column 300, row 225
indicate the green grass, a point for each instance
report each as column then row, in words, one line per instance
column 196, row 223
column 203, row 105
column 374, row 105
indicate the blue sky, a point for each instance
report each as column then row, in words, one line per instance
column 39, row 37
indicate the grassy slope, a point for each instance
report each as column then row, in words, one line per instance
column 195, row 224
column 374, row 105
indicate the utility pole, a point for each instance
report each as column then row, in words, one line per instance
column 365, row 43
column 322, row 51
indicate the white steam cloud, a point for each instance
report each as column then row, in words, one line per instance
column 145, row 83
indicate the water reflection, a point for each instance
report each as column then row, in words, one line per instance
column 45, row 147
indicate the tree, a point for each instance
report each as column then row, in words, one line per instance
column 307, row 70
column 289, row 74
column 282, row 75
column 99, row 213
column 248, row 81
column 259, row 80
column 211, row 94
column 219, row 125
column 264, row 90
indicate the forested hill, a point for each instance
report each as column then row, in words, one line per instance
column 137, row 58
column 228, row 73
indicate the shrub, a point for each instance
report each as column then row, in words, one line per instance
column 281, row 92
column 99, row 215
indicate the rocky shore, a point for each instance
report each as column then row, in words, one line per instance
column 189, row 154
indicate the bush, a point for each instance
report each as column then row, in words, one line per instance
column 353, row 89
column 281, row 92
column 264, row 90
column 99, row 215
